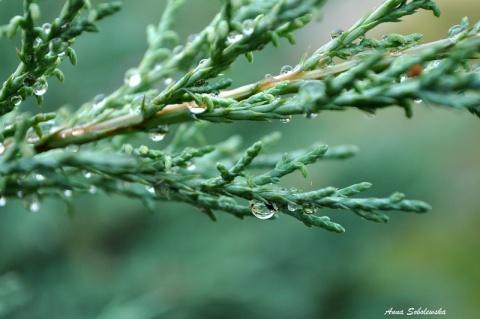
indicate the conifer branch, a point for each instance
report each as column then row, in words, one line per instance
column 40, row 156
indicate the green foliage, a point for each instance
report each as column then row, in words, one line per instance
column 88, row 150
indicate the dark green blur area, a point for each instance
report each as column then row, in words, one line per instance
column 114, row 259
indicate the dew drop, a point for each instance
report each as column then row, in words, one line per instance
column 16, row 100
column 268, row 77
column 310, row 115
column 291, row 207
column 248, row 25
column 2, row 148
column 87, row 174
column 77, row 131
column 260, row 210
column 92, row 189
column 150, row 189
column 336, row 33
column 455, row 30
column 72, row 148
column 7, row 125
column 369, row 115
column 162, row 189
column 68, row 193
column 132, row 77
column 40, row 87
column 168, row 81
column 196, row 109
column 234, row 37
column 417, row 101
column 99, row 101
column 31, row 202
column 286, row 69
column 309, row 208
column 39, row 177
column 396, row 53
column 47, row 27
column 286, row 120
column 156, row 137
column 3, row 201
column 191, row 167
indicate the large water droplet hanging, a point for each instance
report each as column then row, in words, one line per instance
column 336, row 33
column 260, row 210
column 40, row 87
column 132, row 77
column 31, row 202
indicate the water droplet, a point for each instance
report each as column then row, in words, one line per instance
column 168, row 81
column 58, row 47
column 150, row 189
column 248, row 27
column 99, row 101
column 87, row 174
column 132, row 77
column 191, row 167
column 310, row 115
column 286, row 69
column 396, row 52
column 39, row 177
column 72, row 148
column 3, row 201
column 2, row 148
column 403, row 78
column 369, row 115
column 16, row 100
column 268, row 77
column 336, row 33
column 292, row 207
column 92, row 189
column 31, row 202
column 156, row 137
column 417, row 101
column 7, row 125
column 455, row 30
column 192, row 37
column 162, row 189
column 47, row 27
column 385, row 37
column 196, row 109
column 40, row 87
column 29, row 80
column 178, row 49
column 309, row 208
column 234, row 37
column 78, row 131
column 286, row 120
column 68, row 193
column 260, row 210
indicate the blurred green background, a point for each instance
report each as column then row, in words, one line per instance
column 115, row 260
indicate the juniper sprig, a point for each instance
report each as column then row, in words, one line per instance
column 40, row 156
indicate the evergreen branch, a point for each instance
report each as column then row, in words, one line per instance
column 40, row 156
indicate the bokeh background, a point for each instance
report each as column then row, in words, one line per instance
column 113, row 259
